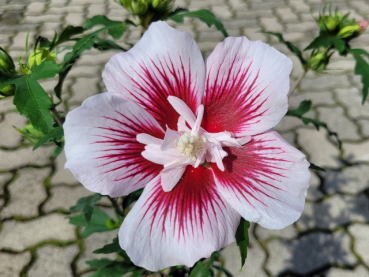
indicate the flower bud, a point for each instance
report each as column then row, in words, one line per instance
column 318, row 61
column 39, row 56
column 6, row 62
column 161, row 5
column 136, row 7
column 363, row 24
column 30, row 133
column 349, row 31
column 328, row 23
column 7, row 91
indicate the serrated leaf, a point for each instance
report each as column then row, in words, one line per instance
column 55, row 135
column 116, row 32
column 294, row 49
column 68, row 33
column 109, row 248
column 86, row 205
column 205, row 16
column 303, row 108
column 242, row 239
column 325, row 40
column 31, row 99
column 105, row 44
column 315, row 167
column 362, row 69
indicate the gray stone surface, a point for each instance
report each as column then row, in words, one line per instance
column 20, row 235
column 27, row 193
column 11, row 265
column 58, row 260
column 360, row 233
column 338, row 198
column 309, row 252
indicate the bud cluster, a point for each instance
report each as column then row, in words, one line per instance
column 6, row 66
column 340, row 26
column 141, row 7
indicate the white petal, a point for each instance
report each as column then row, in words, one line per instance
column 170, row 139
column 148, row 139
column 171, row 176
column 154, row 154
column 178, row 227
column 181, row 108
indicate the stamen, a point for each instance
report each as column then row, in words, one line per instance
column 190, row 145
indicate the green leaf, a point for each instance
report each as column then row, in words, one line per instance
column 113, row 268
column 31, row 99
column 105, row 44
column 362, row 69
column 290, row 46
column 68, row 33
column 224, row 270
column 303, row 108
column 325, row 40
column 109, row 248
column 202, row 268
column 58, row 150
column 205, row 16
column 132, row 197
column 98, row 224
column 55, row 135
column 116, row 32
column 86, row 205
column 315, row 167
column 242, row 239
column 100, row 262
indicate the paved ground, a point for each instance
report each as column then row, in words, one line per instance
column 332, row 236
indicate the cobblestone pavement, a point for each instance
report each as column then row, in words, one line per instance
column 331, row 238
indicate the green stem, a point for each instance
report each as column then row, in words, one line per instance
column 56, row 116
column 116, row 206
column 297, row 83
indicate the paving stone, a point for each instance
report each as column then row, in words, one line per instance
column 9, row 137
column 353, row 179
column 12, row 264
column 20, row 235
column 94, row 242
column 84, row 71
column 338, row 122
column 334, row 211
column 288, row 123
column 271, row 25
column 301, row 27
column 324, row 82
column 289, row 137
column 62, row 176
column 286, row 15
column 364, row 124
column 27, row 192
column 11, row 17
column 42, row 18
column 288, row 232
column 317, row 98
column 75, row 19
column 65, row 197
column 313, row 192
column 309, row 252
column 321, row 152
column 254, row 261
column 35, row 8
column 11, row 159
column 352, row 98
column 358, row 152
column 6, row 104
column 96, row 9
column 360, row 271
column 57, row 259
column 84, row 88
column 360, row 233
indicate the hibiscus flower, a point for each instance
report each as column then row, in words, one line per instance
column 197, row 137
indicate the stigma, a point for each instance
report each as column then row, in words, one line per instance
column 190, row 145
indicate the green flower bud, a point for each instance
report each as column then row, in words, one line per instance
column 7, row 91
column 349, row 31
column 161, row 5
column 328, row 23
column 318, row 61
column 30, row 133
column 135, row 7
column 39, row 56
column 6, row 62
